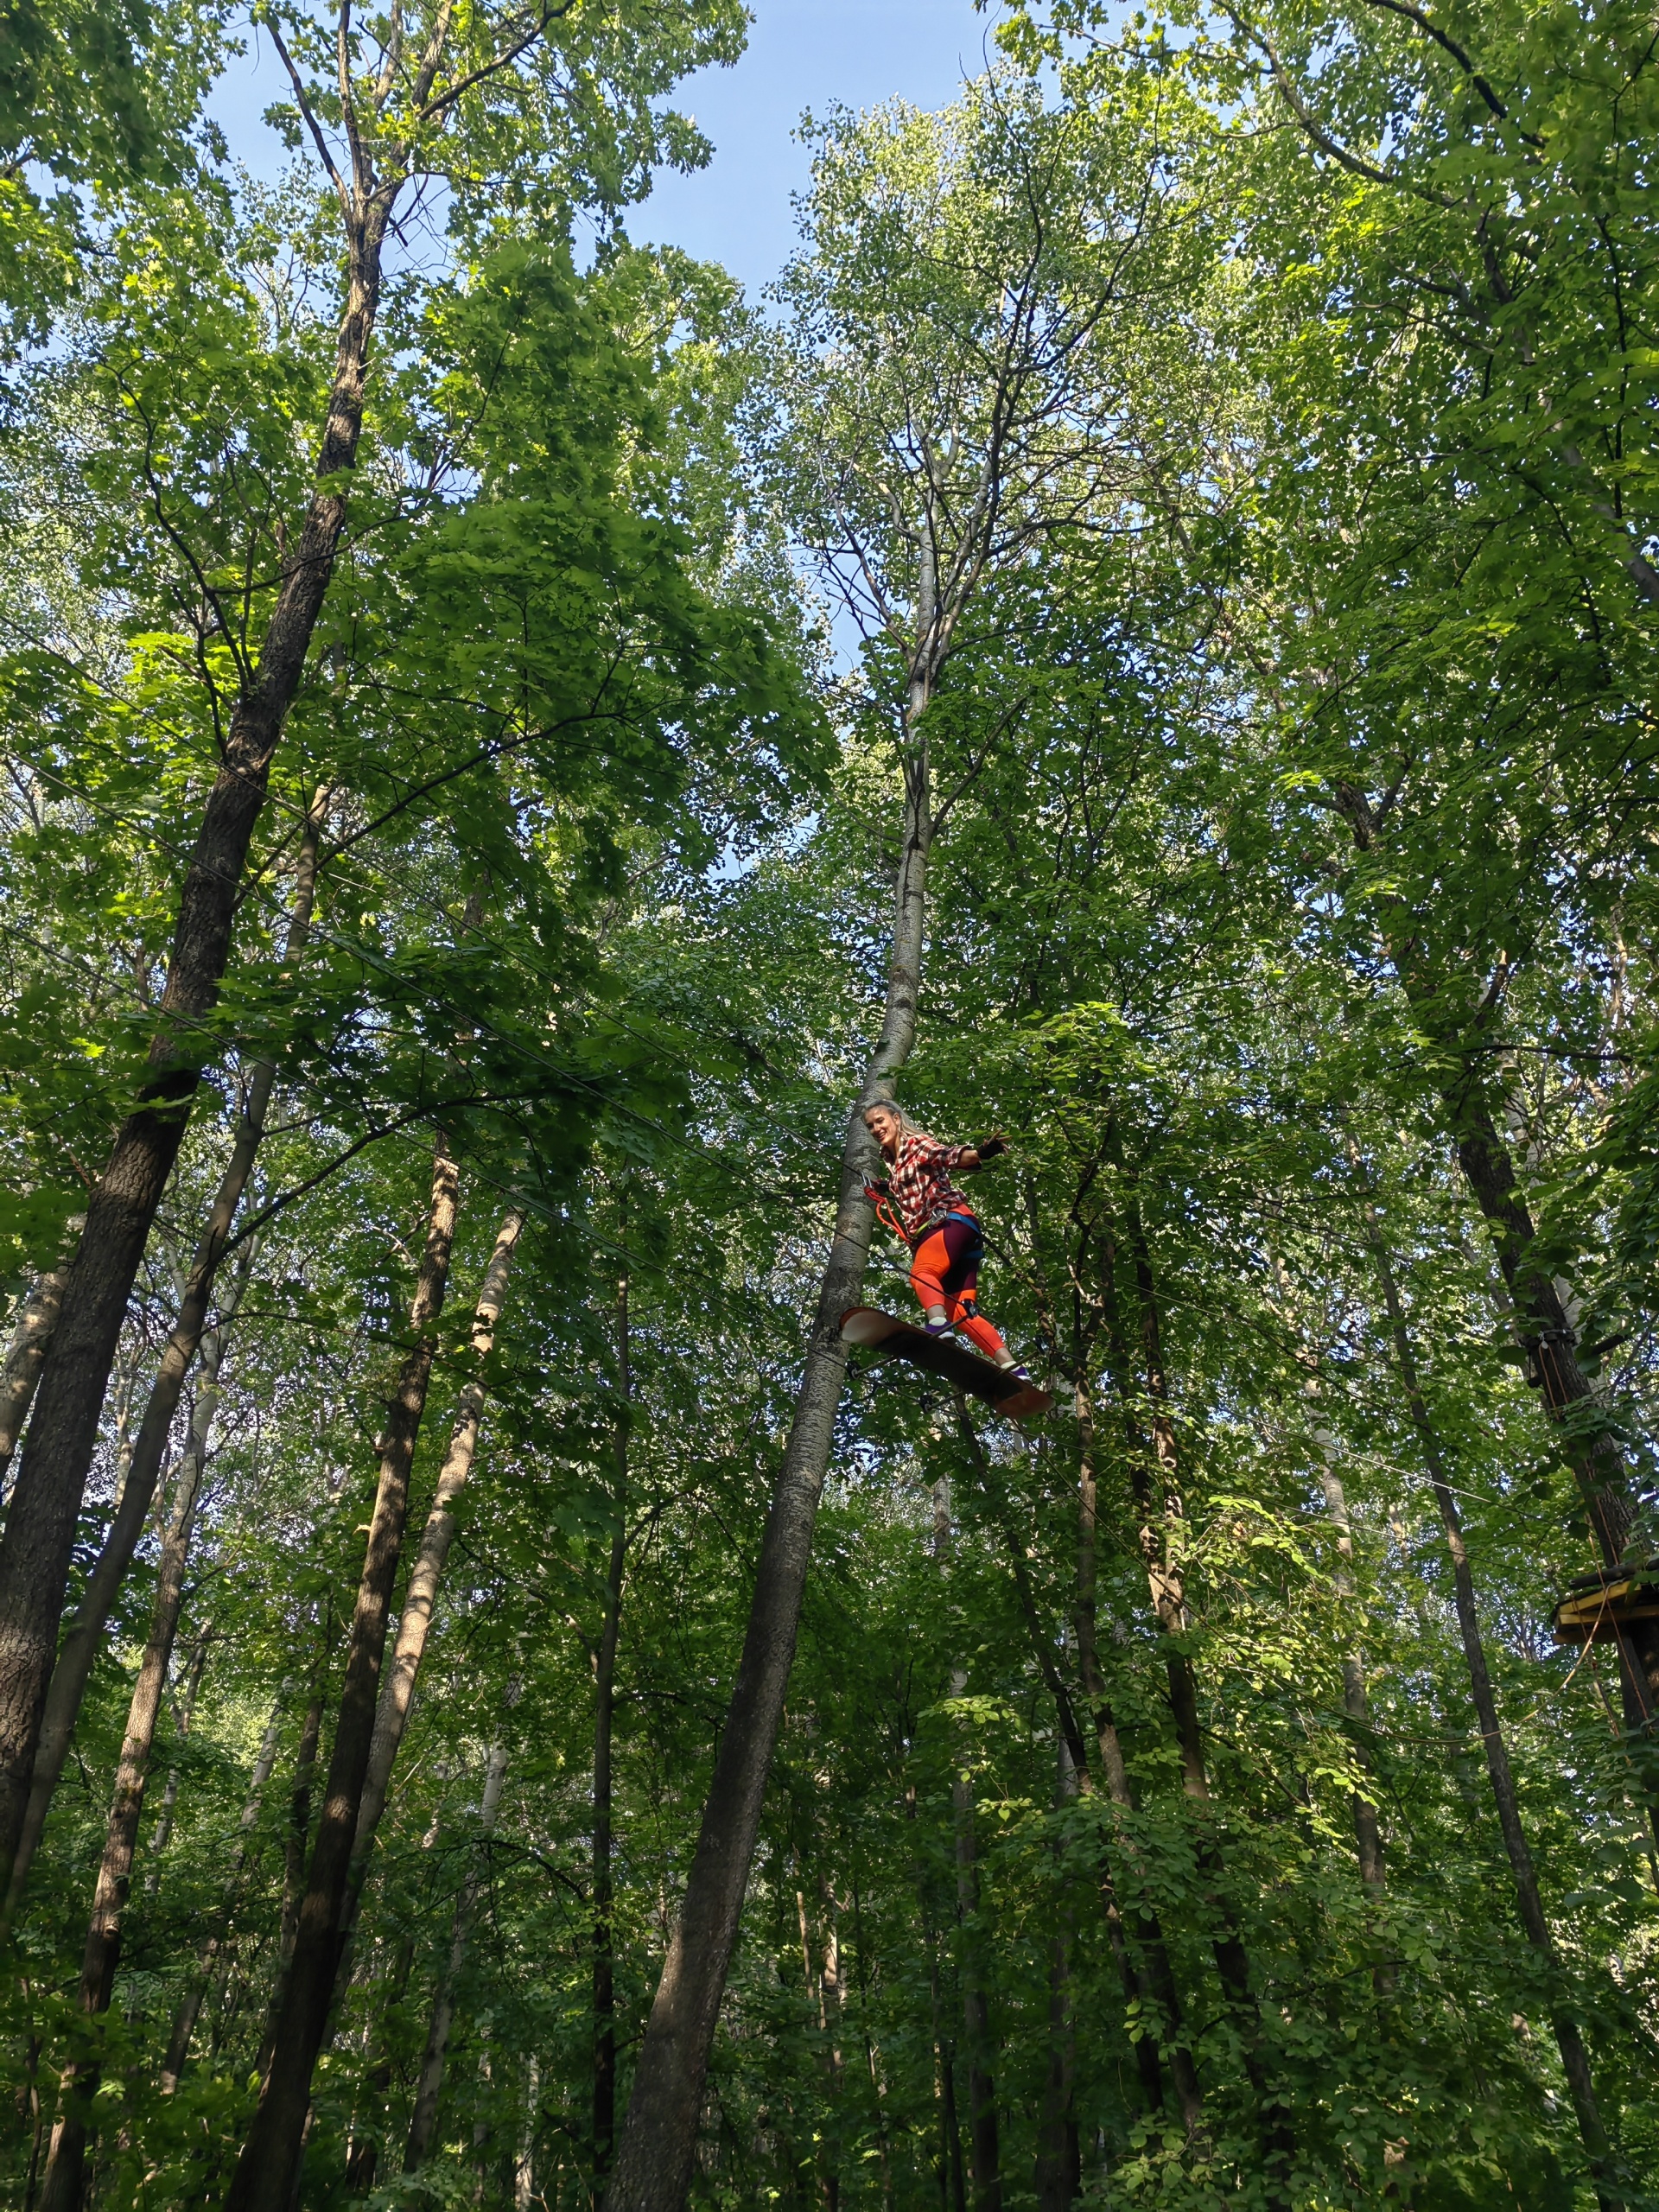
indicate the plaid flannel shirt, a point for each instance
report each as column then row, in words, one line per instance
column 917, row 1183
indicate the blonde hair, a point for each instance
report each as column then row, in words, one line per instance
column 907, row 1127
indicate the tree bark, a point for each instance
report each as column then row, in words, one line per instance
column 604, row 1713
column 39, row 1529
column 265, row 2172
column 1368, row 1835
column 81, row 1644
column 1144, row 1970
column 523, row 2165
column 25, row 1356
column 659, row 2142
column 832, row 2002
column 1569, row 2040
column 1155, row 1983
column 189, row 2007
column 1542, row 1327
column 424, row 2118
column 64, row 2183
column 415, row 1621
column 984, row 2150
column 168, row 1806
column 1160, row 1519
column 295, row 1845
column 953, row 2187
column 1547, row 1338
column 1059, row 2173
column 363, row 2155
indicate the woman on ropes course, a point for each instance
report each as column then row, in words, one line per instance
column 936, row 1221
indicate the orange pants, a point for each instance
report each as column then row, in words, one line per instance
column 944, row 1271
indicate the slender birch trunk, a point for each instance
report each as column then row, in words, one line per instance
column 658, row 2142
column 832, row 2007
column 26, row 1355
column 75, row 1662
column 424, row 2118
column 64, row 2181
column 396, row 1695
column 523, row 2165
column 604, row 1714
column 265, row 2172
column 189, row 2007
column 1569, row 2040
column 1368, row 1834
column 169, row 1804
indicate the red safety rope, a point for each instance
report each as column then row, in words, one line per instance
column 885, row 1216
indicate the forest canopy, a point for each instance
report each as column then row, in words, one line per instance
column 1132, row 658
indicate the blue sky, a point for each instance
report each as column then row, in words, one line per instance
column 802, row 54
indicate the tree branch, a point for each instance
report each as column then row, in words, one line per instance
column 493, row 68
column 311, row 122
column 1449, row 45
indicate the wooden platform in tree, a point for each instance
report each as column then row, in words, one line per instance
column 1597, row 1605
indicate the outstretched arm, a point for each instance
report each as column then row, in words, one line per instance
column 982, row 1153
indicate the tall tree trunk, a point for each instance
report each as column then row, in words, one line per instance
column 265, row 2172
column 523, row 2165
column 66, row 2163
column 397, row 1685
column 1542, row 1326
column 984, row 2148
column 1154, row 1980
column 953, row 2189
column 39, row 1529
column 658, row 2142
column 1368, row 1834
column 1569, row 2040
column 1549, row 1341
column 26, row 1355
column 424, row 2118
column 1161, row 1519
column 189, row 2007
column 81, row 1644
column 296, row 1843
column 832, row 2004
column 396, row 1694
column 604, row 1713
column 169, row 1804
column 1144, row 1970
column 1059, row 2164
column 363, row 2156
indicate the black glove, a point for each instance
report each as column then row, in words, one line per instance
column 991, row 1148
column 874, row 1191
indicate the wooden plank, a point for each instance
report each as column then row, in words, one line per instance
column 865, row 1325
